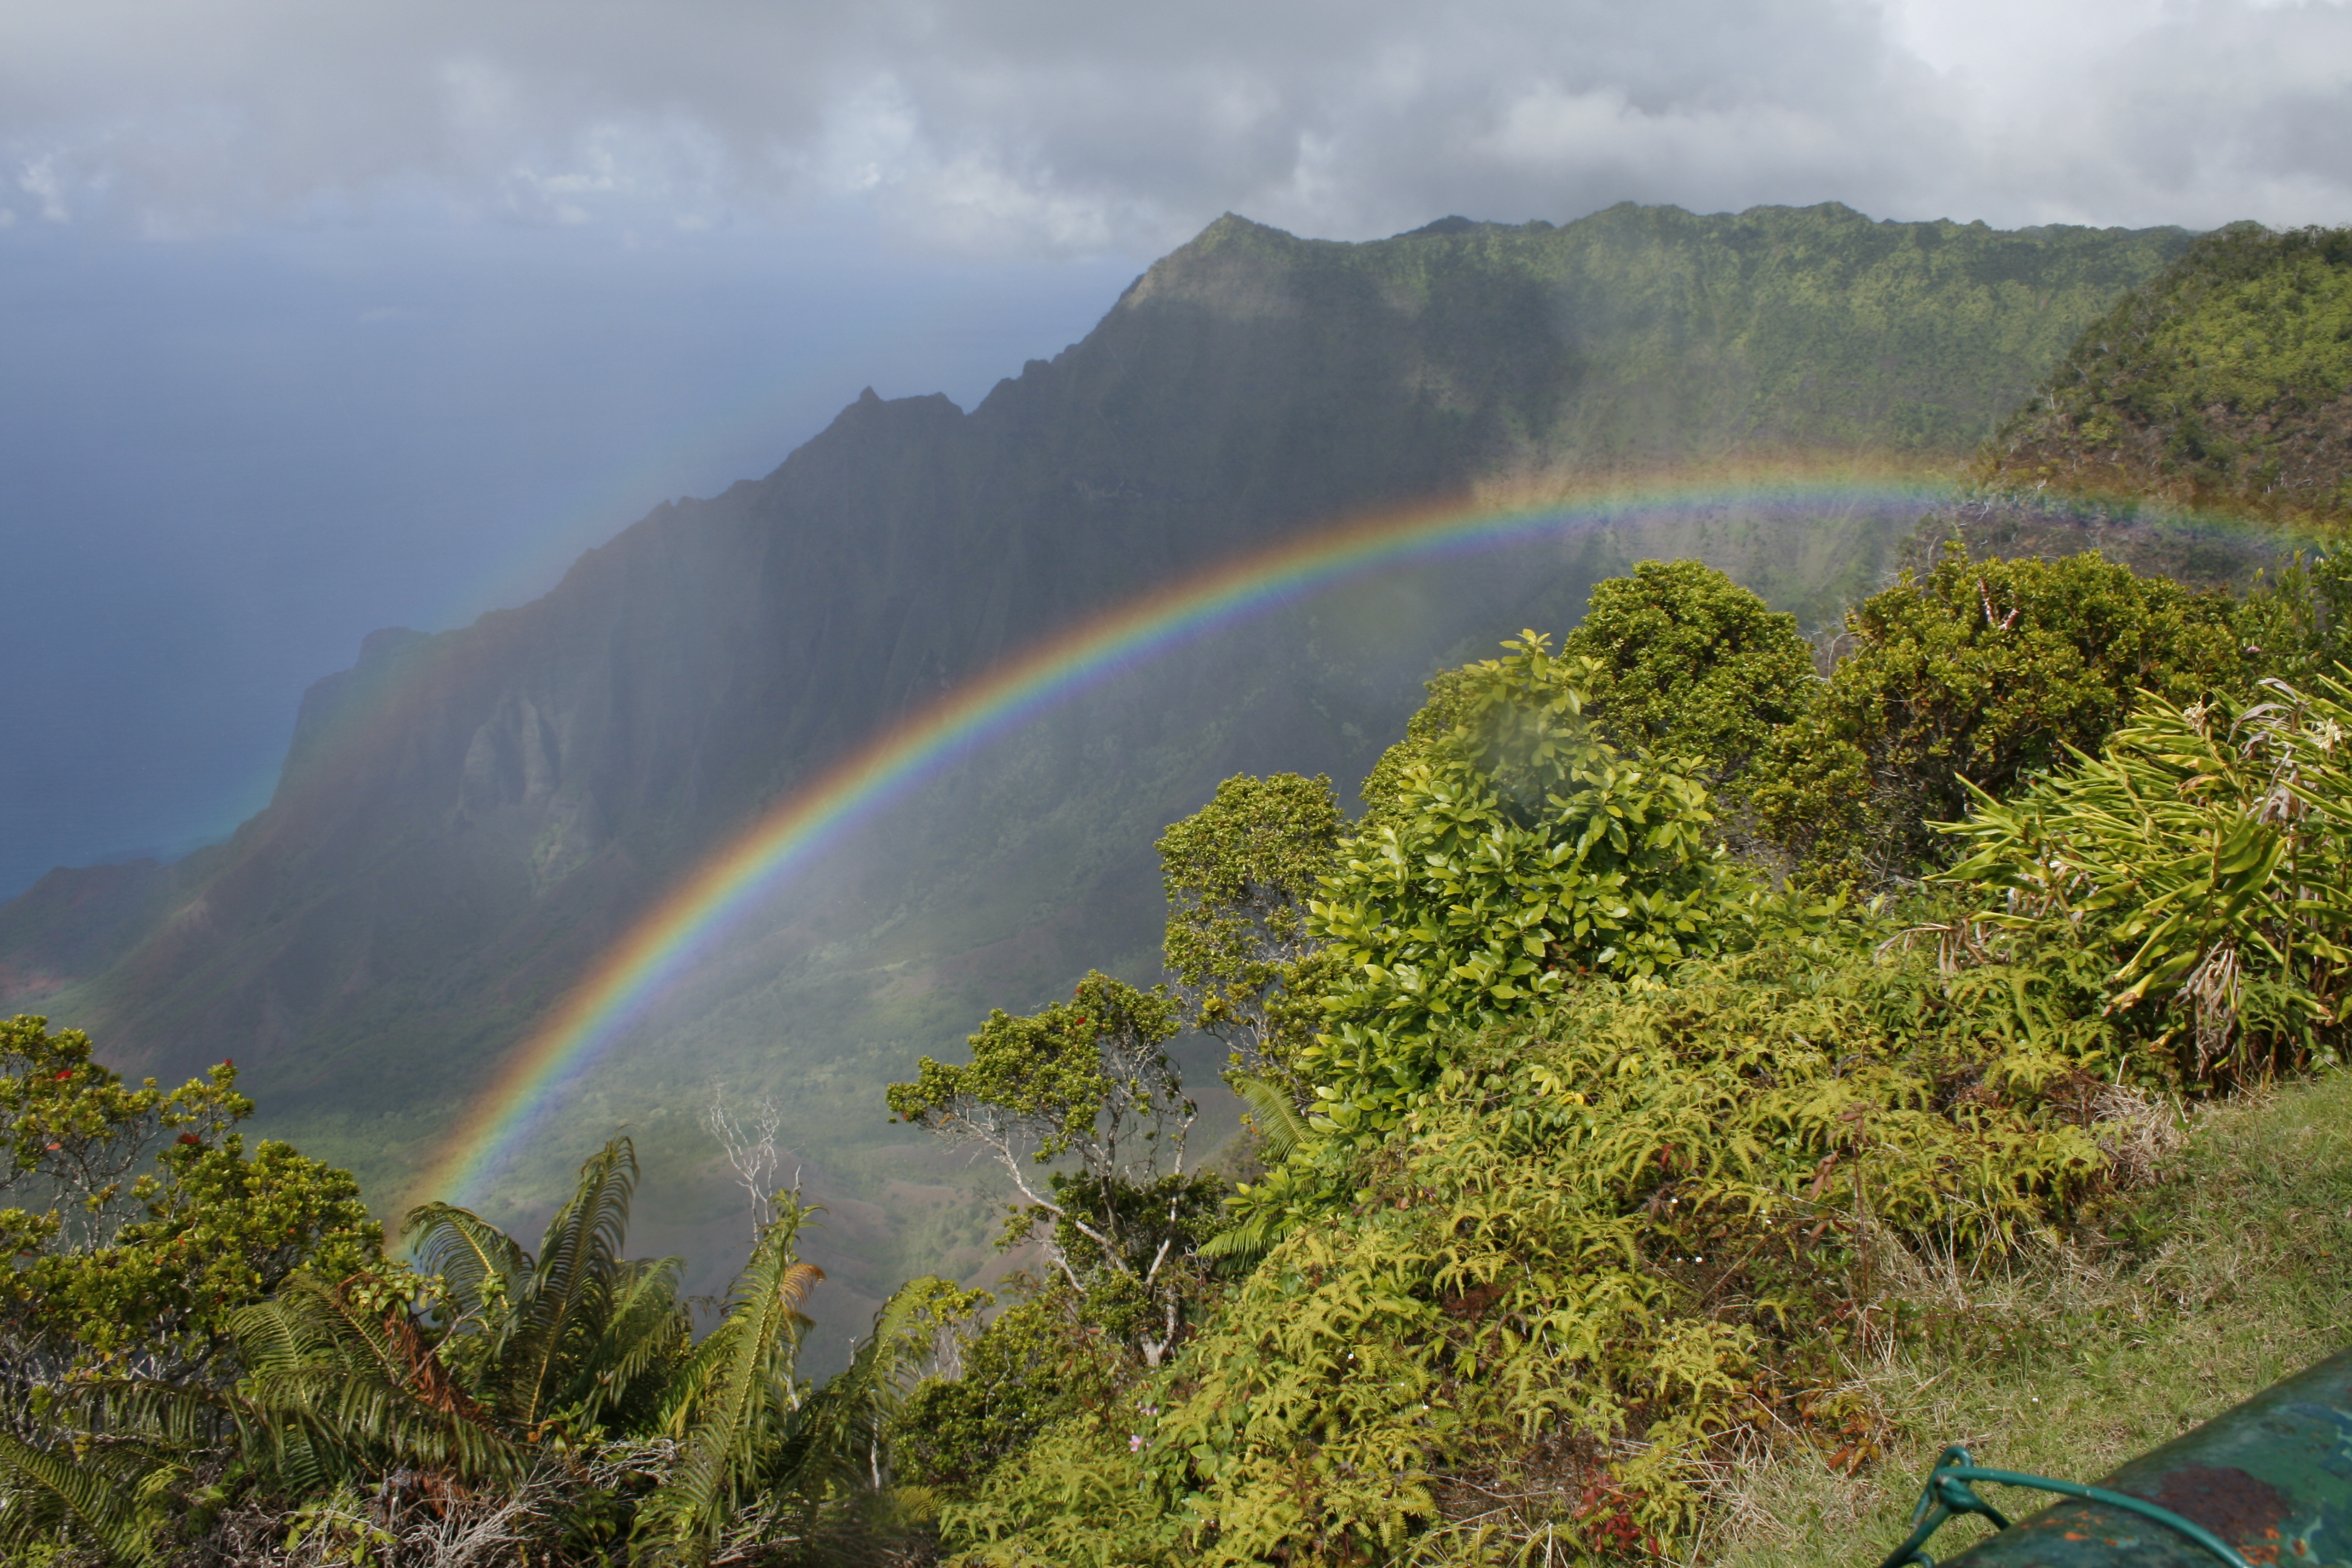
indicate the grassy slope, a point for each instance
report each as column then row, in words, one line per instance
column 2234, row 1270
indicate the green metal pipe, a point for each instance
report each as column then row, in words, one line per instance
column 2272, row 1480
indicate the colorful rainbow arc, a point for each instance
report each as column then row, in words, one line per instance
column 668, row 939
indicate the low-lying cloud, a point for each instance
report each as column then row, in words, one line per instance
column 1054, row 125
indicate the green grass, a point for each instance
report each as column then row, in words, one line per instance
column 2233, row 1269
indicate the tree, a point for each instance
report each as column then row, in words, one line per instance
column 1239, row 874
column 1686, row 662
column 1089, row 1079
column 1982, row 671
column 122, row 1266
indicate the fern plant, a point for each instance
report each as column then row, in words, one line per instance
column 576, row 1334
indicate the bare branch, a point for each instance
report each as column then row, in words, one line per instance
column 749, row 1137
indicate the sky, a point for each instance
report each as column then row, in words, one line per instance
column 326, row 315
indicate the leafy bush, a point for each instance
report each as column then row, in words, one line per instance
column 1687, row 663
column 1576, row 1266
column 1982, row 671
column 1089, row 1079
column 2210, row 849
column 1523, row 853
column 152, row 1226
column 1035, row 1364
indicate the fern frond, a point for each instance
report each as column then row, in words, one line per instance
column 474, row 1259
column 649, row 1330
column 744, row 1396
column 338, row 1388
column 1280, row 1128
column 566, row 1302
column 108, row 1510
column 1249, row 1238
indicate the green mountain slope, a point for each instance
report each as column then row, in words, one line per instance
column 466, row 821
column 2226, row 383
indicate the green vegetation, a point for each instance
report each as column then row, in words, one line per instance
column 2221, row 383
column 1608, row 1163
column 500, row 1405
column 149, row 1225
column 1973, row 675
column 1608, row 1198
column 1685, row 662
column 1089, row 1078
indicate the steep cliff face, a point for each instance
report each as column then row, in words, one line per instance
column 466, row 819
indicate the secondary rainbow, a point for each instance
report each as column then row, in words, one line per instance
column 741, row 875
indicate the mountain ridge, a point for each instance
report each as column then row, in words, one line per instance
column 468, row 818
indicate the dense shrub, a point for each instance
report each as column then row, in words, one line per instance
column 1978, row 674
column 1687, row 663
column 1037, row 1363
column 151, row 1225
column 1567, row 1274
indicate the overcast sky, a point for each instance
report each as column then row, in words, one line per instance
column 323, row 315
column 1054, row 126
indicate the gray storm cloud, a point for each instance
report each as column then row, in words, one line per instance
column 1060, row 125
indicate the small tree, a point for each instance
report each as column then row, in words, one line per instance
column 1984, row 671
column 1511, row 855
column 1687, row 662
column 1524, row 853
column 1088, row 1080
column 140, row 1225
column 1238, row 874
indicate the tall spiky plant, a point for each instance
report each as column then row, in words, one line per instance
column 761, row 1458
column 733, row 1405
column 577, row 1333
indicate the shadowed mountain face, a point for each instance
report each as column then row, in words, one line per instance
column 465, row 820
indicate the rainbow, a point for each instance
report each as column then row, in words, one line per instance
column 744, row 873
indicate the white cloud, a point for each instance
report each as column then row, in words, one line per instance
column 1051, row 124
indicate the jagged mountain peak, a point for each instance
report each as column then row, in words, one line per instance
column 467, row 820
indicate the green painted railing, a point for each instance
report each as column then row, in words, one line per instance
column 2267, row 1484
